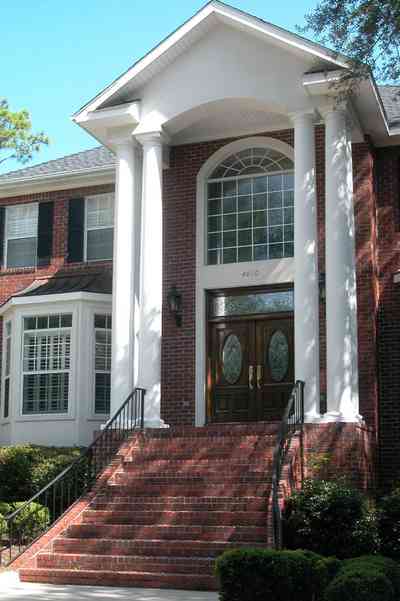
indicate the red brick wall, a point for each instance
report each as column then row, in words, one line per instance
column 178, row 347
column 388, row 235
column 178, row 350
column 14, row 280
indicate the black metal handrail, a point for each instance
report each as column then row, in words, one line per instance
column 293, row 418
column 32, row 519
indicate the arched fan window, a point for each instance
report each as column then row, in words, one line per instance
column 250, row 207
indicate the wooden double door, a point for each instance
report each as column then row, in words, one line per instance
column 250, row 368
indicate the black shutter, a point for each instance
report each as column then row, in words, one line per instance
column 76, row 222
column 45, row 233
column 2, row 225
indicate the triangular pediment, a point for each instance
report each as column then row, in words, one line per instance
column 212, row 15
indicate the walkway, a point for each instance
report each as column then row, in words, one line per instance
column 13, row 590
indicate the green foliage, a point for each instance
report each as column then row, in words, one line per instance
column 260, row 574
column 16, row 138
column 366, row 31
column 389, row 524
column 389, row 567
column 368, row 578
column 25, row 469
column 330, row 518
column 28, row 524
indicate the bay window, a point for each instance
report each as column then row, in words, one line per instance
column 102, row 363
column 46, row 363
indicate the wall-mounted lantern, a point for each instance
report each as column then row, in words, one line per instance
column 174, row 300
column 322, row 286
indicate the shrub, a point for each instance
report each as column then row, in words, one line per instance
column 25, row 469
column 330, row 518
column 360, row 584
column 389, row 524
column 261, row 574
column 28, row 524
column 389, row 567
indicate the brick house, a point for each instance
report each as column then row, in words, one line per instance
column 232, row 183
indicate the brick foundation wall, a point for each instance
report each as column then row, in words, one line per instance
column 326, row 450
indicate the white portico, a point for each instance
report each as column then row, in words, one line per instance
column 225, row 74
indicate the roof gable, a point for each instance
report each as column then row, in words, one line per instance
column 123, row 88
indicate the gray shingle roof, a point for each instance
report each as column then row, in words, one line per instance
column 391, row 101
column 102, row 157
column 80, row 161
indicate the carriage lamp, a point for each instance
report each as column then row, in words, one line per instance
column 174, row 300
column 322, row 286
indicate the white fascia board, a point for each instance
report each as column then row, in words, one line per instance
column 25, row 301
column 226, row 14
column 48, row 183
column 320, row 83
column 116, row 116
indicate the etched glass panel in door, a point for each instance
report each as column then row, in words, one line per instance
column 277, row 356
column 232, row 359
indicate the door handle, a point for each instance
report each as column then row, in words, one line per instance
column 259, row 376
column 251, row 377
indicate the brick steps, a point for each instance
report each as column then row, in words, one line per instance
column 206, row 518
column 168, row 532
column 153, row 548
column 193, row 489
column 176, row 500
column 113, row 578
column 132, row 563
column 251, row 504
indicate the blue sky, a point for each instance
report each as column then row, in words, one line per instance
column 55, row 56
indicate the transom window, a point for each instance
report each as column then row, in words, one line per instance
column 46, row 363
column 250, row 208
column 102, row 363
column 99, row 227
column 21, row 230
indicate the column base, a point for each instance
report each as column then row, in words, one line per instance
column 336, row 416
column 155, row 424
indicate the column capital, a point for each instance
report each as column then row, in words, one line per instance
column 333, row 110
column 153, row 138
column 121, row 137
column 307, row 115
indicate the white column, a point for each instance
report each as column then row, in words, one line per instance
column 306, row 281
column 126, row 231
column 341, row 299
column 151, row 278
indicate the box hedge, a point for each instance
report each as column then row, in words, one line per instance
column 265, row 574
column 368, row 578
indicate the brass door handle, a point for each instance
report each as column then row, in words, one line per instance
column 251, row 377
column 259, row 376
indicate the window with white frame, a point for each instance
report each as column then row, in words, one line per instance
column 102, row 363
column 46, row 363
column 250, row 208
column 21, row 230
column 7, row 369
column 99, row 232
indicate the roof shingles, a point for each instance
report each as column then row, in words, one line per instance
column 80, row 161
